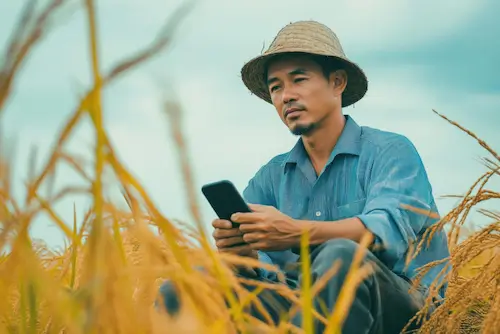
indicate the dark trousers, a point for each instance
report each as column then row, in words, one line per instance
column 382, row 304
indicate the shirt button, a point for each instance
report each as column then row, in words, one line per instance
column 318, row 213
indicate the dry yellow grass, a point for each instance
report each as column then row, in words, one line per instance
column 472, row 303
column 106, row 280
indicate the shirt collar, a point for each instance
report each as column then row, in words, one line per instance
column 349, row 142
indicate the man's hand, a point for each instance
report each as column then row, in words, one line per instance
column 230, row 239
column 268, row 229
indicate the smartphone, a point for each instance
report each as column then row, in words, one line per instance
column 224, row 199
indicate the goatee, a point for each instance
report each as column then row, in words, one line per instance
column 301, row 130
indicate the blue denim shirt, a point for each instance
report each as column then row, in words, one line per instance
column 369, row 174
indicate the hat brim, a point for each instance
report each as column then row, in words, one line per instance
column 252, row 75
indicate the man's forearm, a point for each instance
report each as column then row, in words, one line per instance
column 320, row 232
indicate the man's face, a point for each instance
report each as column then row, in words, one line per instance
column 301, row 94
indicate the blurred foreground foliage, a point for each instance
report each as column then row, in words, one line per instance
column 106, row 279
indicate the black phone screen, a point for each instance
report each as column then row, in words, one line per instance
column 224, row 199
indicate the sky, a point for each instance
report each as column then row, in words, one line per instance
column 418, row 56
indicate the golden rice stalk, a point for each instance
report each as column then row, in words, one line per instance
column 355, row 276
column 29, row 30
column 106, row 278
column 475, row 266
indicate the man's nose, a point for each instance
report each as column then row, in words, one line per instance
column 289, row 95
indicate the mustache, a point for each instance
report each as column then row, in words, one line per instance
column 292, row 105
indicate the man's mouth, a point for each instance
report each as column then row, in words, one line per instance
column 292, row 112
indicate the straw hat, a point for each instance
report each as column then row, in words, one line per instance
column 306, row 37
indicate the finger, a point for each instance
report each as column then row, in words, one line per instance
column 242, row 250
column 226, row 233
column 249, row 228
column 253, row 237
column 222, row 223
column 229, row 242
column 260, row 245
column 246, row 217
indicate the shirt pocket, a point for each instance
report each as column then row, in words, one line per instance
column 350, row 209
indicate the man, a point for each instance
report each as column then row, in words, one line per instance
column 339, row 181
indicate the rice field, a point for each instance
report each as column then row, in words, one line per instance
column 106, row 280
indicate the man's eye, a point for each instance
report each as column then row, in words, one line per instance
column 299, row 79
column 273, row 88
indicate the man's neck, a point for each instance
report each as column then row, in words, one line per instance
column 320, row 144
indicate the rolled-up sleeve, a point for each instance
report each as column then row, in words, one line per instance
column 397, row 178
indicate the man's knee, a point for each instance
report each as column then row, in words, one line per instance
column 337, row 249
column 334, row 250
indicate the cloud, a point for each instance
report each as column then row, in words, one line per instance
column 225, row 137
column 231, row 133
column 401, row 100
column 362, row 25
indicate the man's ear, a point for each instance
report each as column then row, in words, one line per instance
column 339, row 79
